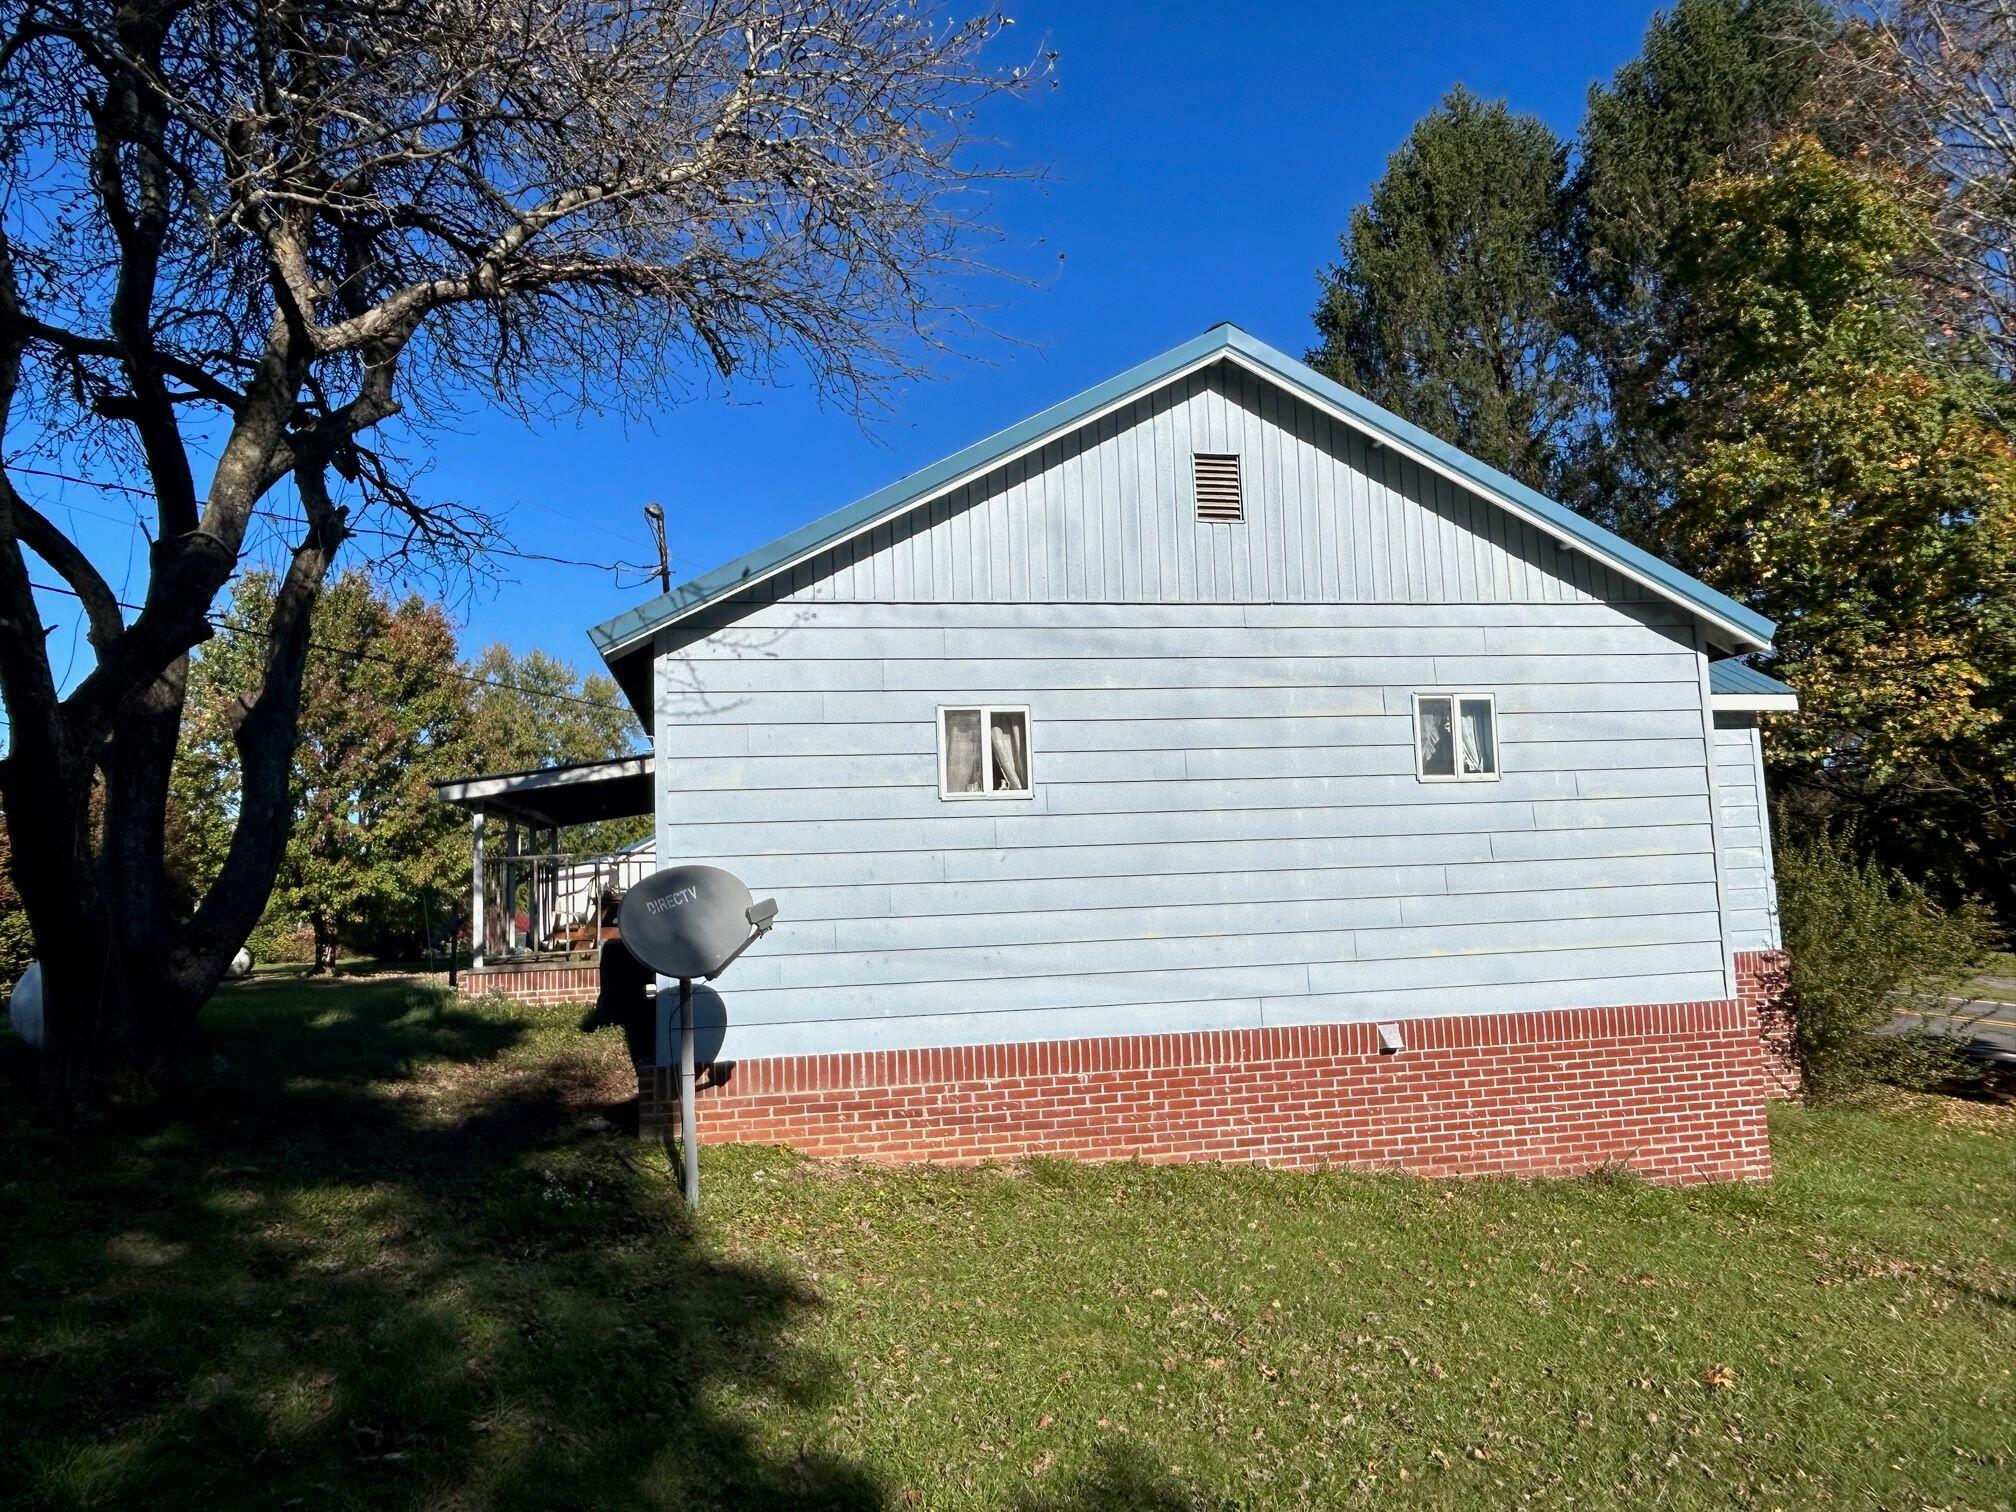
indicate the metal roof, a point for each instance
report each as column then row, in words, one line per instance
column 1736, row 675
column 1735, row 684
column 578, row 793
column 617, row 639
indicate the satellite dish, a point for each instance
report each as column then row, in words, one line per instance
column 710, row 1027
column 690, row 921
column 24, row 1005
column 624, row 999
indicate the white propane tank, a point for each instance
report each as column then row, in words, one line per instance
column 24, row 1005
column 241, row 966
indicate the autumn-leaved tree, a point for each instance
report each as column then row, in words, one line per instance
column 383, row 714
column 1932, row 85
column 237, row 236
column 1849, row 473
column 375, row 860
column 17, row 942
column 537, row 710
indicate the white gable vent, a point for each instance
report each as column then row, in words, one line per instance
column 1218, row 497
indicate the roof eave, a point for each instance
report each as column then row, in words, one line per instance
column 1753, row 703
column 1749, row 630
column 635, row 627
column 464, row 790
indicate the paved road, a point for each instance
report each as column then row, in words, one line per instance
column 1990, row 1028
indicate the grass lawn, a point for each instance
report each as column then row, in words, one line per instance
column 1997, row 983
column 393, row 1250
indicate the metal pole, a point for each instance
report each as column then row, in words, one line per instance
column 656, row 515
column 687, row 1139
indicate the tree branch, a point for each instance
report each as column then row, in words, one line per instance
column 35, row 531
column 127, row 116
column 265, row 737
column 202, row 383
column 26, row 678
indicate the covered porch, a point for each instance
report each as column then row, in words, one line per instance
column 538, row 914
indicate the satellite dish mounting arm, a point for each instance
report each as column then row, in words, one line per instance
column 761, row 916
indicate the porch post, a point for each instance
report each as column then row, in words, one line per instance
column 511, row 886
column 544, row 878
column 535, row 900
column 476, row 886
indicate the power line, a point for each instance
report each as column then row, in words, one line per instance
column 364, row 655
column 515, row 553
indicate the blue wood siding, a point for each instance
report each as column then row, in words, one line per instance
column 1226, row 828
column 1230, row 838
column 1107, row 516
column 1751, row 907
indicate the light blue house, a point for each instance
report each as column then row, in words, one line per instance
column 1213, row 700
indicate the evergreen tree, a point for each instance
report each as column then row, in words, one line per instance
column 1445, row 304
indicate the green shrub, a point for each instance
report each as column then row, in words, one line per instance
column 17, row 946
column 1861, row 941
column 281, row 942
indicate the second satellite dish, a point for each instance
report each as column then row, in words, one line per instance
column 690, row 921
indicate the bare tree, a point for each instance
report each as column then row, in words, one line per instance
column 1934, row 83
column 259, row 229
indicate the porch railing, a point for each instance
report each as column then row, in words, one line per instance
column 555, row 903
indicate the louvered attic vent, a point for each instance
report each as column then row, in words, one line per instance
column 1218, row 497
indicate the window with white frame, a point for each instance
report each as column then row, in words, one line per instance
column 1456, row 737
column 983, row 752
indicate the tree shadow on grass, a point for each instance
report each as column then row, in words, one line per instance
column 1120, row 1479
column 383, row 1252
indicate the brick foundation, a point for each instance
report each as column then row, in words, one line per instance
column 658, row 1101
column 1675, row 1092
column 1764, row 986
column 535, row 982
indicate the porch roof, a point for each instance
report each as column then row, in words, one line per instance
column 1735, row 686
column 579, row 793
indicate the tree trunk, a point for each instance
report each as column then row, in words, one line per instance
column 325, row 946
column 115, row 1006
column 123, row 978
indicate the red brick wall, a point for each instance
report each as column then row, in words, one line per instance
column 1763, row 985
column 1676, row 1092
column 536, row 984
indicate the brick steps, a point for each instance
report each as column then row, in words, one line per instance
column 538, row 983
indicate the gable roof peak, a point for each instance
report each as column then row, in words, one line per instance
column 1740, row 628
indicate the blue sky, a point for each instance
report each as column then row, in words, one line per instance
column 1201, row 159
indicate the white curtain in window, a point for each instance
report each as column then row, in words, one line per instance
column 962, row 751
column 1011, row 765
column 1437, row 742
column 1478, row 752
